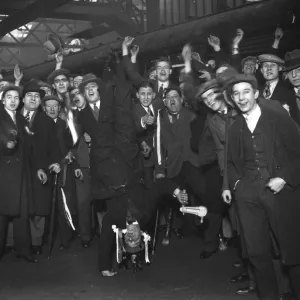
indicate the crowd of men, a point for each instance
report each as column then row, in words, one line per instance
column 225, row 136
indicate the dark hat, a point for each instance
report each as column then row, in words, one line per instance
column 33, row 86
column 211, row 84
column 53, row 44
column 56, row 73
column 270, row 58
column 45, row 84
column 292, row 60
column 237, row 78
column 89, row 78
column 251, row 58
column 11, row 88
column 52, row 97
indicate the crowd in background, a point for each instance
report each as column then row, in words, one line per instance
column 225, row 135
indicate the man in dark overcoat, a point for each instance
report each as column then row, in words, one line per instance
column 263, row 172
column 13, row 175
column 44, row 156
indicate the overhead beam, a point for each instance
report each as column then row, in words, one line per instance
column 31, row 12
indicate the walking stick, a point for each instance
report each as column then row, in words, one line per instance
column 52, row 217
column 155, row 232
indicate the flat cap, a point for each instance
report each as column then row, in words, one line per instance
column 56, row 73
column 238, row 78
column 52, row 97
column 270, row 58
column 206, row 86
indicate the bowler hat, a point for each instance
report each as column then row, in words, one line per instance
column 52, row 97
column 89, row 78
column 270, row 58
column 33, row 86
column 292, row 60
column 11, row 88
column 204, row 87
column 56, row 73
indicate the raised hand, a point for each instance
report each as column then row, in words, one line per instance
column 135, row 50
column 127, row 41
column 278, row 33
column 226, row 195
column 18, row 74
column 237, row 39
column 187, row 52
column 214, row 41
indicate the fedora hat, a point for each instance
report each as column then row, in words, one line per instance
column 56, row 73
column 53, row 44
column 89, row 78
column 33, row 86
column 292, row 60
column 206, row 86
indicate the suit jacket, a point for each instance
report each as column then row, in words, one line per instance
column 136, row 78
column 174, row 145
column 13, row 167
column 146, row 133
column 282, row 146
column 114, row 151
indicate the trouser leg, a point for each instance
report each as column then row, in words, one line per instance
column 148, row 177
column 10, row 235
column 294, row 275
column 115, row 215
column 3, row 232
column 37, row 229
column 22, row 236
column 83, row 190
column 282, row 277
column 255, row 229
column 211, row 229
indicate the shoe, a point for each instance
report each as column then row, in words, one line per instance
column 108, row 273
column 237, row 264
column 36, row 250
column 85, row 244
column 63, row 247
column 206, row 254
column 29, row 258
column 242, row 277
column 178, row 233
column 246, row 291
column 286, row 296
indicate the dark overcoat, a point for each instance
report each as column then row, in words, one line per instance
column 13, row 167
column 282, row 145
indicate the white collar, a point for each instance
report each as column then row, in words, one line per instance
column 26, row 111
column 254, row 113
column 224, row 111
column 146, row 107
column 163, row 84
column 297, row 90
column 97, row 104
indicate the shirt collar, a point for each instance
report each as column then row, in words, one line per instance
column 273, row 84
column 97, row 104
column 254, row 114
column 163, row 84
column 30, row 112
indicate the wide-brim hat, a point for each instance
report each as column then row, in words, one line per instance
column 33, row 86
column 52, row 97
column 204, row 87
column 53, row 44
column 292, row 60
column 270, row 58
column 238, row 78
column 11, row 88
column 90, row 78
column 56, row 73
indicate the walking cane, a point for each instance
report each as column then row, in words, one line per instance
column 52, row 217
column 155, row 232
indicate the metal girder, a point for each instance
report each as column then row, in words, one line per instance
column 29, row 13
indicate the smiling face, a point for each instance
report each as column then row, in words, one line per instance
column 270, row 71
column 173, row 102
column 244, row 96
column 52, row 108
column 213, row 99
column 32, row 101
column 91, row 92
column 11, row 100
column 61, row 84
column 249, row 67
column 145, row 95
column 294, row 77
column 163, row 71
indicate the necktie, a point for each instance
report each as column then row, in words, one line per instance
column 27, row 118
column 267, row 91
column 96, row 112
column 161, row 91
column 14, row 117
column 150, row 113
column 174, row 118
